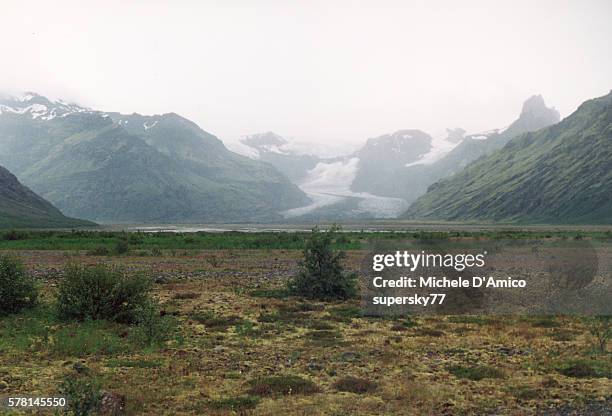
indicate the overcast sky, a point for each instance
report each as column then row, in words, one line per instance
column 312, row 70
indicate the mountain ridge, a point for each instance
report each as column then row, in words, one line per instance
column 558, row 174
column 111, row 167
column 20, row 207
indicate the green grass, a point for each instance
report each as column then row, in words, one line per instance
column 106, row 241
column 285, row 384
column 39, row 331
column 234, row 403
column 89, row 338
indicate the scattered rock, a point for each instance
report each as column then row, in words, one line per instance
column 80, row 368
column 314, row 366
column 112, row 404
column 350, row 356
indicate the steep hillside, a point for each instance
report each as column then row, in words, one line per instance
column 110, row 167
column 20, row 207
column 559, row 174
column 412, row 181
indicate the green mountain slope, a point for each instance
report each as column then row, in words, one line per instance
column 109, row 167
column 411, row 182
column 559, row 174
column 20, row 207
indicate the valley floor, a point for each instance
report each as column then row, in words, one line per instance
column 237, row 329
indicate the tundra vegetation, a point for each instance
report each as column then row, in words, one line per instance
column 204, row 324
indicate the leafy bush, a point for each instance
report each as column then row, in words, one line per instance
column 101, row 292
column 17, row 289
column 321, row 274
column 122, row 246
column 153, row 328
column 83, row 395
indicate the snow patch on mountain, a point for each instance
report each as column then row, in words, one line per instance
column 148, row 126
column 237, row 146
column 439, row 148
column 38, row 107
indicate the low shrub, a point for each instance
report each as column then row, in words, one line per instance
column 152, row 328
column 101, row 292
column 122, row 246
column 545, row 322
column 526, row 393
column 215, row 322
column 581, row 368
column 83, row 395
column 17, row 290
column 235, row 403
column 287, row 384
column 355, row 385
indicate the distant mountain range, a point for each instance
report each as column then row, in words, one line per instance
column 22, row 208
column 559, row 174
column 109, row 167
column 130, row 168
column 388, row 172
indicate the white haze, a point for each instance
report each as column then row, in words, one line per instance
column 319, row 71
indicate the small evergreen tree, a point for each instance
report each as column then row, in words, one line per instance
column 321, row 274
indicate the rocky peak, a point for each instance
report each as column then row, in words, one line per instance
column 264, row 139
column 455, row 135
column 535, row 107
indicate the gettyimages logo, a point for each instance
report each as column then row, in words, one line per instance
column 486, row 277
